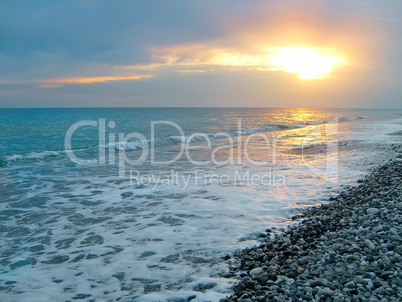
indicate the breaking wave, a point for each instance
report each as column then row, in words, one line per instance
column 32, row 155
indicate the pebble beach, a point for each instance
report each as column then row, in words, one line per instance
column 348, row 249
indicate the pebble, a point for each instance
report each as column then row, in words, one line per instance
column 304, row 260
column 325, row 292
column 372, row 211
column 256, row 272
column 369, row 244
column 315, row 283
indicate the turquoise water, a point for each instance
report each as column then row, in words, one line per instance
column 24, row 131
column 158, row 232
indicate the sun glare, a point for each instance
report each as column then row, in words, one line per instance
column 309, row 63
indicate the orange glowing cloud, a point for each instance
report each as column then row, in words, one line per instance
column 308, row 62
column 58, row 82
column 191, row 70
column 305, row 39
column 91, row 80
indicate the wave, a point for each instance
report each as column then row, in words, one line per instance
column 350, row 119
column 129, row 145
column 278, row 127
column 171, row 140
column 270, row 127
column 32, row 155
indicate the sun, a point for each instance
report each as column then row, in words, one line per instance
column 309, row 63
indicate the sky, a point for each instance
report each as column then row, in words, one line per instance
column 229, row 53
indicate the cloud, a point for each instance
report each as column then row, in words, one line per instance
column 253, row 38
column 91, row 80
column 306, row 61
column 191, row 70
column 49, row 85
column 57, row 82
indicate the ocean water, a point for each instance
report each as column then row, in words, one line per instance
column 144, row 204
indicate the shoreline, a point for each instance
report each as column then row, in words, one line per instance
column 348, row 249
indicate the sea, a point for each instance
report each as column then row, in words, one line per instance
column 151, row 204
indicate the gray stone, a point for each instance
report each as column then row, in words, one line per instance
column 304, row 260
column 325, row 292
column 204, row 286
column 350, row 284
column 256, row 272
column 372, row 211
column 317, row 282
column 369, row 244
